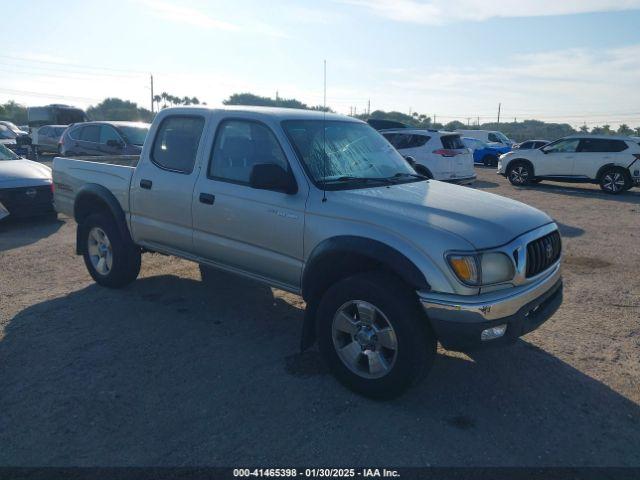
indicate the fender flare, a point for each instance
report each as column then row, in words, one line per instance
column 358, row 254
column 95, row 193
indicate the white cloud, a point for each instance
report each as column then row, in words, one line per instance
column 439, row 12
column 572, row 85
column 198, row 18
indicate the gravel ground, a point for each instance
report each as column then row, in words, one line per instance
column 170, row 372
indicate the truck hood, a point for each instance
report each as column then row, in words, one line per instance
column 483, row 219
column 23, row 173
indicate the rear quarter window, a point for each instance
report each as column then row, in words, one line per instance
column 452, row 142
column 598, row 145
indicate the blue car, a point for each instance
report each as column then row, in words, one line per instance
column 485, row 153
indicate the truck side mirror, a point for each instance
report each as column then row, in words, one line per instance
column 269, row 176
column 410, row 160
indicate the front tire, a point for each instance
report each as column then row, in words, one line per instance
column 614, row 181
column 373, row 335
column 519, row 173
column 112, row 261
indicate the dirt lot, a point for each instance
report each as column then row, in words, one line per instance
column 170, row 372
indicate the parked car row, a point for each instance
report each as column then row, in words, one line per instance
column 613, row 162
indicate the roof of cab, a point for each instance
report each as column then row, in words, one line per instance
column 270, row 112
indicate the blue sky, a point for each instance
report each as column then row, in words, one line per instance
column 561, row 60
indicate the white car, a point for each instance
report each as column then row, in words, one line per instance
column 487, row 136
column 611, row 161
column 434, row 154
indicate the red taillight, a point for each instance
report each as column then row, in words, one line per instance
column 53, row 189
column 446, row 152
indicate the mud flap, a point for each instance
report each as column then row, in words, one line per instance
column 308, row 337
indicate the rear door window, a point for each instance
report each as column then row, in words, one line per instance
column 452, row 142
column 91, row 133
column 176, row 143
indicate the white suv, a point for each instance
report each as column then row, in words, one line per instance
column 611, row 161
column 434, row 154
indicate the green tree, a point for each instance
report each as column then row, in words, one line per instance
column 624, row 129
column 118, row 109
column 13, row 112
column 256, row 100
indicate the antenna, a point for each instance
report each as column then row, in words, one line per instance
column 324, row 136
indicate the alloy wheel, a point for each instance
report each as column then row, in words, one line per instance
column 364, row 339
column 100, row 252
column 613, row 182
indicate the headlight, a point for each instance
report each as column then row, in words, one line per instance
column 482, row 269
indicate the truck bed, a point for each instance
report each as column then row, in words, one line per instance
column 112, row 172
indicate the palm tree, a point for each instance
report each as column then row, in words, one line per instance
column 186, row 100
column 165, row 97
column 157, row 99
column 195, row 101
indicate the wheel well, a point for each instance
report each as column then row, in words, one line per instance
column 612, row 166
column 336, row 266
column 89, row 204
column 520, row 160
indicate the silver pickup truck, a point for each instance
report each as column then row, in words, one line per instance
column 388, row 262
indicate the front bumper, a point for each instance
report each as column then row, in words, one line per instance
column 458, row 321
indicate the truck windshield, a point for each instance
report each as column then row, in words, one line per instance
column 346, row 154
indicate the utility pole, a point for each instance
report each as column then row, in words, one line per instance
column 369, row 107
column 499, row 107
column 151, row 75
column 468, row 121
column 434, row 118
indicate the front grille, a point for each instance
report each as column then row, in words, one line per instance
column 27, row 201
column 542, row 253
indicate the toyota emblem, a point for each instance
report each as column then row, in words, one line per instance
column 549, row 251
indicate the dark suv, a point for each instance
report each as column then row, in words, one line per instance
column 104, row 138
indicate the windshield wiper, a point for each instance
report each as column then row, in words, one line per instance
column 407, row 174
column 351, row 178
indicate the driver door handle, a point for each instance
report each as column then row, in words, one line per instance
column 207, row 198
column 146, row 184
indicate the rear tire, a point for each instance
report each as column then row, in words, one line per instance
column 112, row 261
column 615, row 180
column 519, row 173
column 373, row 335
column 490, row 161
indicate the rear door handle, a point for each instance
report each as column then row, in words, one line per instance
column 207, row 198
column 146, row 184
